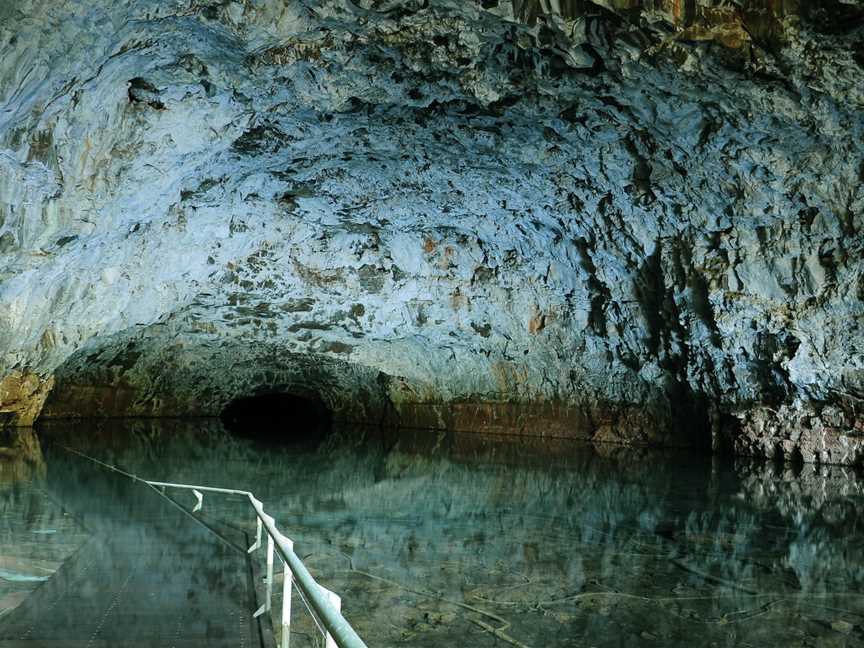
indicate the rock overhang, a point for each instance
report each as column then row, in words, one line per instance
column 462, row 200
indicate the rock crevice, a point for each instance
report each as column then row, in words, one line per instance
column 637, row 221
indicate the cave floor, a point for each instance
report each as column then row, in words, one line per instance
column 439, row 539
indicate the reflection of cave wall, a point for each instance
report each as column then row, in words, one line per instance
column 21, row 458
column 407, row 507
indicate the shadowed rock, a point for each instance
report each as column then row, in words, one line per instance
column 621, row 220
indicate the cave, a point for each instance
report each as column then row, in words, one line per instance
column 278, row 417
column 446, row 285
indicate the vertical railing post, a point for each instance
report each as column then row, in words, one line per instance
column 257, row 538
column 336, row 602
column 287, row 582
column 269, row 595
column 305, row 582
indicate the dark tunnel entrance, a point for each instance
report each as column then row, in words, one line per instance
column 278, row 418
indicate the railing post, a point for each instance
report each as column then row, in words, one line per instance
column 336, row 602
column 257, row 538
column 269, row 600
column 324, row 605
column 287, row 582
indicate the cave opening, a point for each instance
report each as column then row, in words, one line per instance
column 278, row 417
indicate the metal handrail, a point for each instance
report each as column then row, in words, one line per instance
column 324, row 605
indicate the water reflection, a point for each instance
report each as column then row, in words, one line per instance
column 36, row 536
column 144, row 570
column 467, row 540
column 21, row 459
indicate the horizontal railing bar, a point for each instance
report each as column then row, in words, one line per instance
column 335, row 623
column 211, row 489
column 316, row 596
column 332, row 619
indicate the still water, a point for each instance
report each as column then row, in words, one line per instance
column 471, row 540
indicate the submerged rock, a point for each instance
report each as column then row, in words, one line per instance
column 632, row 221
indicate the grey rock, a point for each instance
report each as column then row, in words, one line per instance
column 439, row 214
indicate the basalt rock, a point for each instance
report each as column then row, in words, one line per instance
column 636, row 221
column 802, row 433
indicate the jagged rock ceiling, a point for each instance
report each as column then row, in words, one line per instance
column 628, row 221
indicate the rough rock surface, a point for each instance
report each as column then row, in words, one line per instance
column 638, row 222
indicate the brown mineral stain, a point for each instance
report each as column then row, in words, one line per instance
column 537, row 323
column 508, row 376
column 22, row 395
column 457, row 299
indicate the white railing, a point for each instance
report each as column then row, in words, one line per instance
column 324, row 605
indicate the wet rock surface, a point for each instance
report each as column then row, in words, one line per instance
column 642, row 219
column 831, row 436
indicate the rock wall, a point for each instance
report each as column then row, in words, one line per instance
column 622, row 220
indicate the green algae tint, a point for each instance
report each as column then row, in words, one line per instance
column 470, row 540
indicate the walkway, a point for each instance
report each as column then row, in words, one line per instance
column 151, row 576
